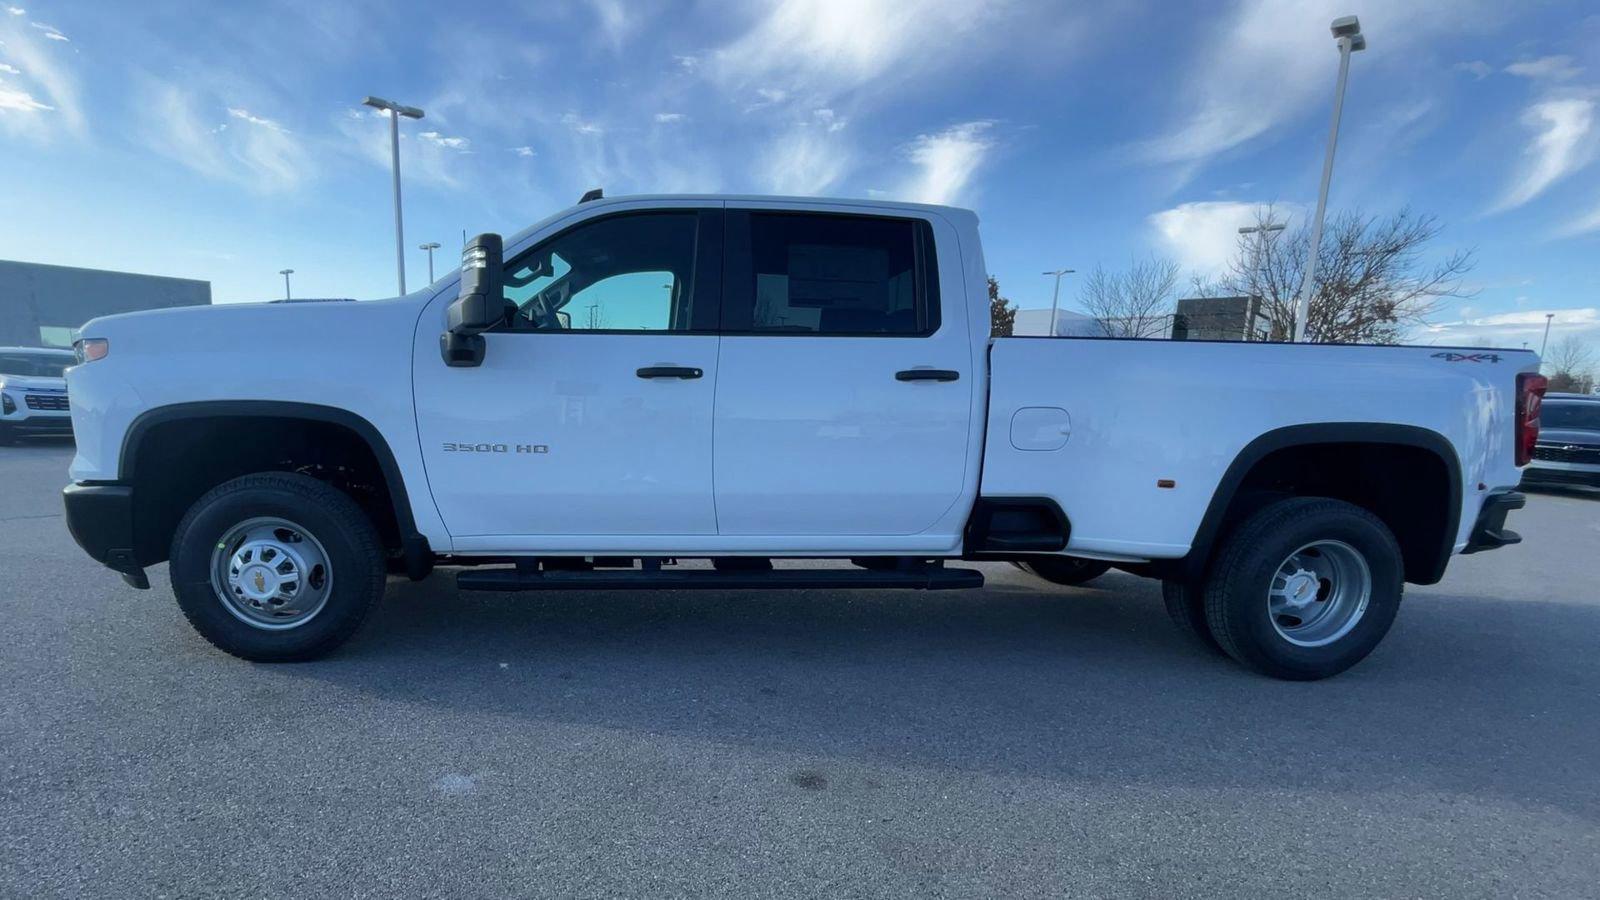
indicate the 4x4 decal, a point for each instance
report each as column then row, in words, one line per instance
column 1451, row 356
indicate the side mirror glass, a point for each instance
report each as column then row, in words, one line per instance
column 480, row 305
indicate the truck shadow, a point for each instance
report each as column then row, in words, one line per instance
column 1072, row 685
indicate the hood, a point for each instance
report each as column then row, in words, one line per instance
column 32, row 383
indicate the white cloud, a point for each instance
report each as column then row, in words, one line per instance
column 615, row 23
column 1204, row 236
column 1562, row 145
column 1582, row 224
column 522, row 151
column 1553, row 68
column 263, row 158
column 667, row 118
column 47, row 84
column 18, row 100
column 1512, row 329
column 1271, row 61
column 582, row 126
column 9, row 69
column 16, row 10
column 449, row 143
column 947, row 161
column 825, row 45
column 247, row 116
column 805, row 162
column 50, row 31
column 829, row 119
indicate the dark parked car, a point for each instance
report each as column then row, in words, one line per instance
column 1568, row 451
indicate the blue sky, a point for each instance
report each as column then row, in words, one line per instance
column 225, row 141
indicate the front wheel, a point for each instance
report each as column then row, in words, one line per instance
column 1305, row 588
column 1069, row 570
column 276, row 567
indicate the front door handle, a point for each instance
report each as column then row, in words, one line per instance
column 682, row 372
column 927, row 375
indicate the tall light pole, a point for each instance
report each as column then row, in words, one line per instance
column 1055, row 297
column 286, row 273
column 430, row 247
column 1544, row 343
column 395, row 111
column 1347, row 34
column 1270, row 227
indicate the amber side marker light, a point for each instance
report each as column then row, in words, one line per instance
column 91, row 349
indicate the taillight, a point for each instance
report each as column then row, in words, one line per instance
column 1530, row 399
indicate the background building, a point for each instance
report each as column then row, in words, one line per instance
column 1220, row 319
column 41, row 305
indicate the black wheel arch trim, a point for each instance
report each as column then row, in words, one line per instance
column 1192, row 565
column 418, row 554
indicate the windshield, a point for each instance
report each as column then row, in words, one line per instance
column 1582, row 415
column 38, row 365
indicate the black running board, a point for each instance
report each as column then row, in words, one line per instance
column 928, row 579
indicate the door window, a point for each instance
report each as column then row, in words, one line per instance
column 834, row 275
column 625, row 273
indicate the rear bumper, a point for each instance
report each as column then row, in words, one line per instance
column 1490, row 531
column 100, row 517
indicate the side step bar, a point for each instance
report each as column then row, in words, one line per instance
column 931, row 578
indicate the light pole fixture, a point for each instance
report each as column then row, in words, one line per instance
column 1544, row 343
column 286, row 273
column 395, row 111
column 1347, row 35
column 430, row 247
column 1055, row 296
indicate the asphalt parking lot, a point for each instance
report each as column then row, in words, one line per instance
column 1024, row 740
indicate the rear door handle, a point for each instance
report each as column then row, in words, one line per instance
column 927, row 375
column 682, row 372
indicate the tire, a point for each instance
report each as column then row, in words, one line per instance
column 263, row 600
column 1186, row 606
column 1305, row 588
column 1069, row 570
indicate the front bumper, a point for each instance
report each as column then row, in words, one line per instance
column 1546, row 472
column 100, row 517
column 1490, row 531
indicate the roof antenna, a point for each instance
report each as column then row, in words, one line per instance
column 592, row 194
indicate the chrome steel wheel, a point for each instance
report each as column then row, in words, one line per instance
column 1319, row 593
column 271, row 573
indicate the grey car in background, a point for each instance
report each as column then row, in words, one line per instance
column 1568, row 451
column 33, row 393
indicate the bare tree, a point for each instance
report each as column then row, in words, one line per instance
column 1373, row 281
column 1137, row 303
column 1572, row 365
column 1002, row 315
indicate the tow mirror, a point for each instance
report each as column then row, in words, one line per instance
column 480, row 306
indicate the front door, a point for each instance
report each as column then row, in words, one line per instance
column 844, row 398
column 590, row 418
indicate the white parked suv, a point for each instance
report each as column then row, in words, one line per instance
column 637, row 382
column 33, row 393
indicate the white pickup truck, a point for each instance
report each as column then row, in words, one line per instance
column 637, row 383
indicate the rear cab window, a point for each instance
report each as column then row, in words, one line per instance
column 823, row 274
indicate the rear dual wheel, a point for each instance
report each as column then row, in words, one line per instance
column 1303, row 589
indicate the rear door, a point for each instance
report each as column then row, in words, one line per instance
column 844, row 392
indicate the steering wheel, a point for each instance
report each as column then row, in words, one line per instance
column 540, row 312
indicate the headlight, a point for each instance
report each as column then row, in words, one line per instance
column 6, row 405
column 91, row 349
